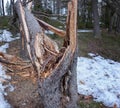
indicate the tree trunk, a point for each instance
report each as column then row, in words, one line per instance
column 111, row 23
column 11, row 7
column 0, row 8
column 118, row 25
column 58, row 5
column 54, row 6
column 3, row 13
column 96, row 31
column 56, row 69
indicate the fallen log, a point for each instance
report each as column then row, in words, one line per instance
column 56, row 69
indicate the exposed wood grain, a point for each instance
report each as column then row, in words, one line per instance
column 47, row 26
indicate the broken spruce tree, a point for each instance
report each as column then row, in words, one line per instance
column 55, row 68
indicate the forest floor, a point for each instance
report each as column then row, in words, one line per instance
column 23, row 80
column 25, row 93
column 108, row 46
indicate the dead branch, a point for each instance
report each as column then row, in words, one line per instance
column 6, row 62
column 46, row 26
column 9, row 69
column 10, row 63
column 25, row 67
column 50, row 51
column 7, row 59
column 6, row 56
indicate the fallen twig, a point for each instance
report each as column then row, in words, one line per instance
column 26, row 67
column 9, row 69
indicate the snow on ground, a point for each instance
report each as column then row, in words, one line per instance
column 4, row 47
column 79, row 31
column 100, row 78
column 82, row 31
column 5, row 36
column 3, row 76
column 49, row 32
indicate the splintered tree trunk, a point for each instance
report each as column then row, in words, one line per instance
column 56, row 69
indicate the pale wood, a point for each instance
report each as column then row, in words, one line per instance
column 21, row 15
column 47, row 26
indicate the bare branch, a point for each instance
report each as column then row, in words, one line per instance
column 46, row 26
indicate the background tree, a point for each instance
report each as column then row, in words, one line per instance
column 114, row 8
column 3, row 11
column 8, row 9
column 96, row 31
column 0, row 7
column 11, row 7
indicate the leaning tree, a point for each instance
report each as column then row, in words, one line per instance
column 55, row 67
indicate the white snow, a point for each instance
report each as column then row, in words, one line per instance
column 3, row 76
column 49, row 32
column 5, row 36
column 79, row 31
column 100, row 78
column 4, row 47
column 84, row 31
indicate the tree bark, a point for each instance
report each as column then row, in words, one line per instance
column 118, row 25
column 0, row 8
column 96, row 30
column 3, row 11
column 111, row 23
column 56, row 69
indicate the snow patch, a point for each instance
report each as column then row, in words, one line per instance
column 49, row 32
column 4, row 47
column 3, row 76
column 6, row 36
column 84, row 31
column 100, row 78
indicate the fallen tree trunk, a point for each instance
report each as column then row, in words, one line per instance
column 56, row 69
